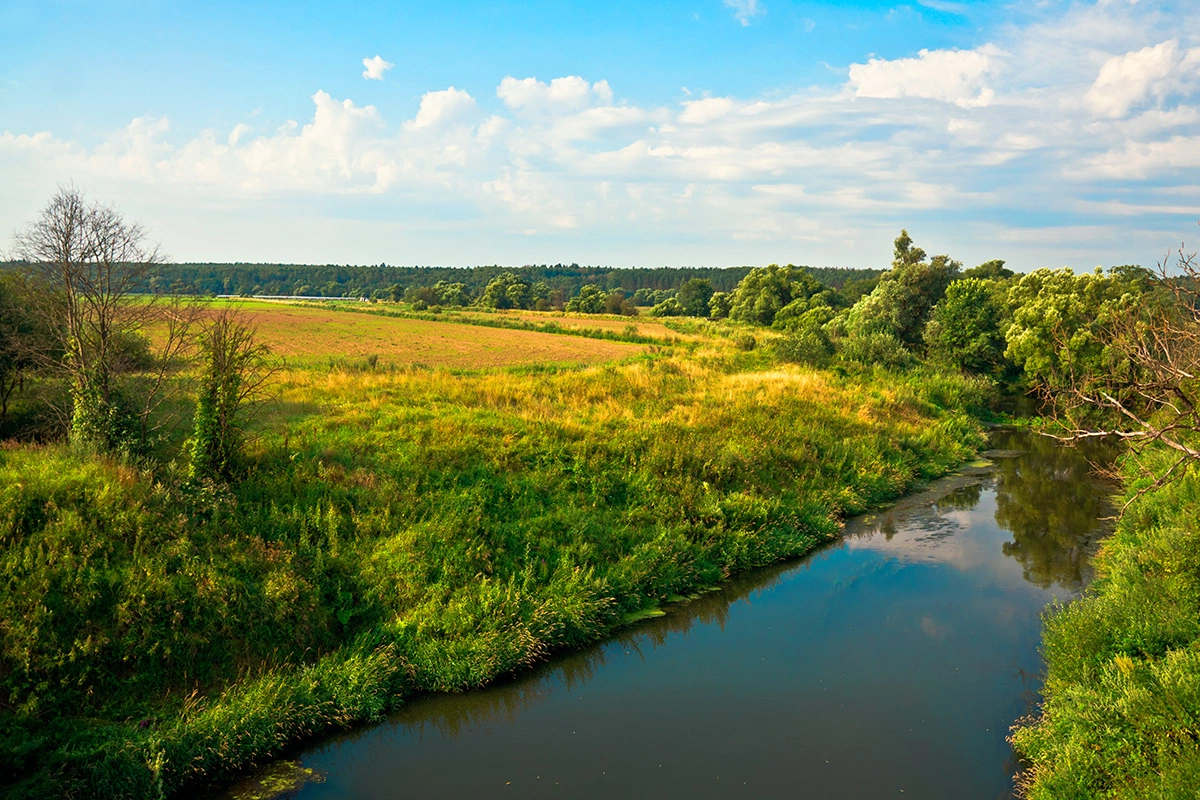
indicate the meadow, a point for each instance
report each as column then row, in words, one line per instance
column 305, row 334
column 471, row 500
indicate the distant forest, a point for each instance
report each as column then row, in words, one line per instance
column 331, row 280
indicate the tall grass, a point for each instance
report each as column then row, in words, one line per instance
column 1121, row 717
column 412, row 530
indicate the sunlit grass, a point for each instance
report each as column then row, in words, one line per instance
column 414, row 529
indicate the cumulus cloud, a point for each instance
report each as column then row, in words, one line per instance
column 698, row 112
column 561, row 95
column 1148, row 74
column 951, row 76
column 375, row 67
column 746, row 10
column 441, row 109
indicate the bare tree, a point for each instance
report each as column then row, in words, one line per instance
column 1151, row 395
column 89, row 264
column 234, row 372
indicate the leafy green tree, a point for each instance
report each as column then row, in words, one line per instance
column 964, row 329
column 1057, row 330
column 452, row 294
column 694, row 297
column 507, row 290
column 590, row 300
column 668, row 308
column 767, row 290
column 900, row 305
column 719, row 304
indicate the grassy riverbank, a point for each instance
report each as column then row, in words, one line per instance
column 413, row 529
column 1121, row 717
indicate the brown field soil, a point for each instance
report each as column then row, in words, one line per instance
column 305, row 334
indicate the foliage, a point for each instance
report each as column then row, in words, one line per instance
column 668, row 308
column 765, row 291
column 1122, row 691
column 719, row 305
column 1057, row 324
column 590, row 300
column 900, row 305
column 694, row 297
column 507, row 290
column 964, row 329
column 233, row 371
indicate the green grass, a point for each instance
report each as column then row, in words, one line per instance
column 407, row 531
column 1121, row 717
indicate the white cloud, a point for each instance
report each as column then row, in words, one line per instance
column 746, row 10
column 375, row 67
column 440, row 109
column 1151, row 73
column 561, row 95
column 1139, row 160
column 951, row 76
column 831, row 168
column 699, row 112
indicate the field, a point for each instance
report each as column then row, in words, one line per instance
column 400, row 529
column 308, row 334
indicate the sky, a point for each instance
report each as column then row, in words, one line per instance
column 691, row 133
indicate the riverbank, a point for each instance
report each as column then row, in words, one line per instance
column 414, row 530
column 910, row 640
column 1121, row 715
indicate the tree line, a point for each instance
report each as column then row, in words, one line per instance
column 382, row 281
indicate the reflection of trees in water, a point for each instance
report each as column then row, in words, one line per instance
column 452, row 714
column 1050, row 499
column 964, row 498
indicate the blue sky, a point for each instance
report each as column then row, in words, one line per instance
column 712, row 132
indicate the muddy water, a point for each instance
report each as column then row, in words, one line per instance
column 890, row 664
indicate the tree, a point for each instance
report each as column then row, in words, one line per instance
column 234, row 371
column 766, row 290
column 1057, row 334
column 86, row 263
column 964, row 330
column 900, row 304
column 590, row 300
column 719, row 305
column 1139, row 380
column 694, row 296
column 507, row 290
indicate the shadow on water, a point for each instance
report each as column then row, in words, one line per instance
column 893, row 659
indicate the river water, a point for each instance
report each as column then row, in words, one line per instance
column 889, row 664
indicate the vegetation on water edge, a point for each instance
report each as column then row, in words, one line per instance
column 1121, row 717
column 413, row 530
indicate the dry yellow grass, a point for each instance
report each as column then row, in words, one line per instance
column 308, row 334
column 640, row 326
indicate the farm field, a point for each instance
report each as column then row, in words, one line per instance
column 307, row 334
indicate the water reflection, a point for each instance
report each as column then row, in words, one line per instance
column 1050, row 500
column 894, row 659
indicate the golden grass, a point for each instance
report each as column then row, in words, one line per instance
column 311, row 334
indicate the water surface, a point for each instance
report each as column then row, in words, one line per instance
column 889, row 664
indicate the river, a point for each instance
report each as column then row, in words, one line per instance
column 889, row 664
